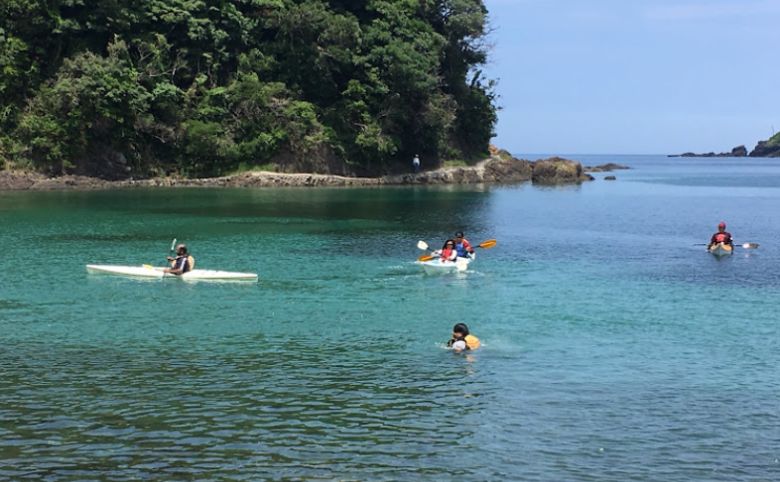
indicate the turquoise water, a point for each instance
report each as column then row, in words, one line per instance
column 614, row 349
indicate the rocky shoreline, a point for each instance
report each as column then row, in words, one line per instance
column 608, row 167
column 768, row 148
column 739, row 151
column 499, row 168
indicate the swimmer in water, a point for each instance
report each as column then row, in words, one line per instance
column 461, row 339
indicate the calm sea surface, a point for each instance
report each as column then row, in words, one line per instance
column 614, row 348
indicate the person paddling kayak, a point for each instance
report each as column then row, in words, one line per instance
column 722, row 236
column 462, row 245
column 462, row 339
column 182, row 263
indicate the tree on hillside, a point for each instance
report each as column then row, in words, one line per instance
column 204, row 87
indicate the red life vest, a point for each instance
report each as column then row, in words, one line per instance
column 722, row 238
column 446, row 254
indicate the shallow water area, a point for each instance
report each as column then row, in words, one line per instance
column 614, row 348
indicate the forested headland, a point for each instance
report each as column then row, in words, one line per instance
column 139, row 88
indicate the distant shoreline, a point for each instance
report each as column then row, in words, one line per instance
column 499, row 168
column 32, row 181
column 768, row 148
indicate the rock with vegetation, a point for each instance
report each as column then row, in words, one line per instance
column 739, row 151
column 768, row 148
column 507, row 169
column 610, row 166
column 497, row 169
column 205, row 88
column 556, row 170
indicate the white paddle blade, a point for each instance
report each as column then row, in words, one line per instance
column 422, row 245
column 173, row 244
column 750, row 245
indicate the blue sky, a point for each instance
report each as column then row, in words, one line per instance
column 635, row 76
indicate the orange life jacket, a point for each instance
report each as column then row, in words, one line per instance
column 472, row 342
column 446, row 254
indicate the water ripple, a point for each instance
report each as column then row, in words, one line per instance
column 143, row 413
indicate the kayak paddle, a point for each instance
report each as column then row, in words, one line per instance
column 743, row 245
column 173, row 245
column 424, row 246
column 171, row 250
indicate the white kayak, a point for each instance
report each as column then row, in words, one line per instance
column 721, row 249
column 148, row 271
column 439, row 266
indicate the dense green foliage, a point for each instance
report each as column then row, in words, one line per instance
column 774, row 141
column 203, row 87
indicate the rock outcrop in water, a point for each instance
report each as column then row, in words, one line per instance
column 739, row 151
column 610, row 166
column 499, row 168
column 556, row 170
column 768, row 148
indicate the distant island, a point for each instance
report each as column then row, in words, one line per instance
column 768, row 148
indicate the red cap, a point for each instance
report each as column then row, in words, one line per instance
column 722, row 225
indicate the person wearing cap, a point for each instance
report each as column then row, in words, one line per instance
column 722, row 236
column 416, row 163
column 182, row 263
column 463, row 246
column 462, row 339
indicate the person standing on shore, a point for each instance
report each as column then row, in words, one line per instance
column 416, row 163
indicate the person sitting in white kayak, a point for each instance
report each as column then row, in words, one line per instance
column 182, row 263
column 722, row 236
column 447, row 253
column 462, row 245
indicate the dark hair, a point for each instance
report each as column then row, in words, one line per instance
column 448, row 242
column 459, row 234
column 461, row 328
column 181, row 247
